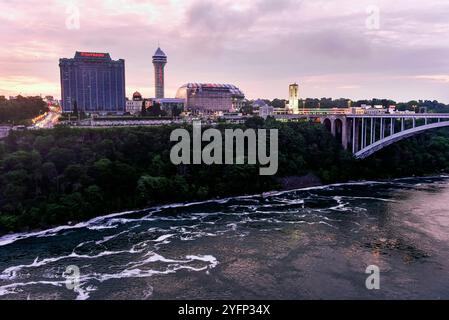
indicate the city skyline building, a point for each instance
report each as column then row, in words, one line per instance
column 134, row 106
column 92, row 82
column 159, row 62
column 210, row 98
column 171, row 106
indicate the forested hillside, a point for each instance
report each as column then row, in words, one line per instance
column 54, row 176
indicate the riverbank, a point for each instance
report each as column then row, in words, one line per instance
column 11, row 237
column 298, row 182
column 290, row 183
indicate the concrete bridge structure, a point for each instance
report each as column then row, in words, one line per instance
column 365, row 134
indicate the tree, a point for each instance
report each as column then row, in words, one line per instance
column 21, row 110
column 61, row 157
column 278, row 103
column 75, row 108
column 43, row 144
column 152, row 189
column 143, row 112
column 49, row 175
column 2, row 149
column 156, row 110
column 247, row 107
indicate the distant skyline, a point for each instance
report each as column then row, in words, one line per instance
column 341, row 49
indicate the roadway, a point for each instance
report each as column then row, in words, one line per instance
column 49, row 121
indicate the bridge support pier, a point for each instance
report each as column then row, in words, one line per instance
column 382, row 129
column 355, row 135
column 344, row 134
column 333, row 127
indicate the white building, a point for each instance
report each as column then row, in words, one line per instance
column 4, row 131
column 391, row 109
column 374, row 111
column 266, row 111
column 135, row 105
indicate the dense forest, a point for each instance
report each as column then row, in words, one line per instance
column 51, row 177
column 21, row 110
column 55, row 176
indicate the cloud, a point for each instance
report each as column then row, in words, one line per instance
column 441, row 78
column 260, row 45
column 349, row 87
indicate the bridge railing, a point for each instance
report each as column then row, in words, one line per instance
column 324, row 111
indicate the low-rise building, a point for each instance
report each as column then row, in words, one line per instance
column 135, row 105
column 375, row 111
column 391, row 109
column 266, row 111
column 4, row 131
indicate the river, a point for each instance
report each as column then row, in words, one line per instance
column 311, row 243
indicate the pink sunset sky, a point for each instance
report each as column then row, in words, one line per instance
column 332, row 48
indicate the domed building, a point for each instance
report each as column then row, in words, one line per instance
column 135, row 105
column 137, row 96
column 210, row 98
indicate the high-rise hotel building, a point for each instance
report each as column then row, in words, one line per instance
column 93, row 83
column 159, row 62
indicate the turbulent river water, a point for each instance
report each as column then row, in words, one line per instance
column 304, row 244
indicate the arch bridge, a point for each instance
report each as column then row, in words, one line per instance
column 366, row 134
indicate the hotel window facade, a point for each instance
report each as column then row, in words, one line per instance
column 93, row 82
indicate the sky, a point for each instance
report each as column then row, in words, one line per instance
column 333, row 48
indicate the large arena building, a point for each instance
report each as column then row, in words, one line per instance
column 208, row 98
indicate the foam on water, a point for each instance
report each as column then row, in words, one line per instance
column 135, row 240
column 107, row 222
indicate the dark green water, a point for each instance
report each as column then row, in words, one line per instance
column 306, row 244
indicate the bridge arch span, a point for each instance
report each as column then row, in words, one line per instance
column 373, row 148
column 338, row 129
column 327, row 123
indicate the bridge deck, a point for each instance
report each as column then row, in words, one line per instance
column 359, row 116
